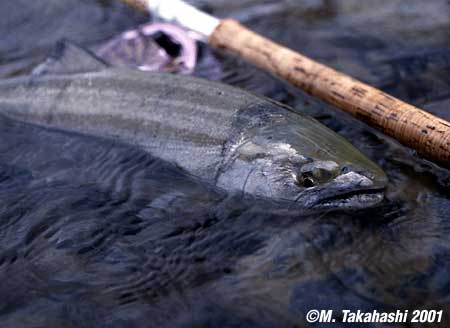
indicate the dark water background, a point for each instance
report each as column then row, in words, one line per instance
column 98, row 233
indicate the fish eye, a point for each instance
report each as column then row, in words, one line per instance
column 306, row 181
column 317, row 172
column 345, row 169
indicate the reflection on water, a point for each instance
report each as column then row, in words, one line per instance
column 97, row 233
column 30, row 29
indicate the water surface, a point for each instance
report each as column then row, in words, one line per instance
column 98, row 233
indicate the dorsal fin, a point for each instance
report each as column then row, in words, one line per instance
column 70, row 58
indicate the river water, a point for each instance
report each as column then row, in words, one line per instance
column 94, row 232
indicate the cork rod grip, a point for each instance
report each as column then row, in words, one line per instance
column 140, row 5
column 415, row 128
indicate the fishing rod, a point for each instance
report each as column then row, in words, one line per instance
column 428, row 134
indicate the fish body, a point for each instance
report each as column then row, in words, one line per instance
column 231, row 138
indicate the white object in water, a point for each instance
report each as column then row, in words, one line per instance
column 179, row 12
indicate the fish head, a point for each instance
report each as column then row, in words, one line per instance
column 295, row 158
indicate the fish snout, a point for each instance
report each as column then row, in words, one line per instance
column 363, row 172
column 352, row 179
column 359, row 180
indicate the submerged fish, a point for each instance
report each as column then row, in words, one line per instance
column 234, row 139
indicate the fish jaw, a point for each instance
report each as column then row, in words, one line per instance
column 350, row 191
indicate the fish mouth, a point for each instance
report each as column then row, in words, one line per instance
column 350, row 191
column 356, row 199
